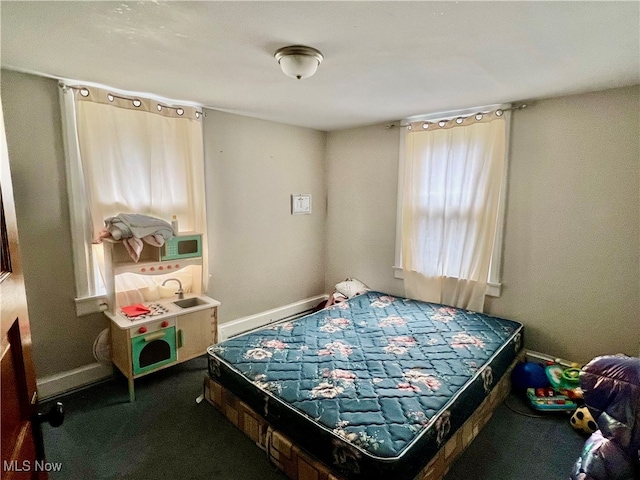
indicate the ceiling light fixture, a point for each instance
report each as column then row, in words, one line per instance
column 298, row 61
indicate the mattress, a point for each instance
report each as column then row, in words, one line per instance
column 372, row 387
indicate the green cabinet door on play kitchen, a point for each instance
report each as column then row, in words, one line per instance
column 153, row 350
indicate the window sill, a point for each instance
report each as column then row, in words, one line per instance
column 89, row 305
column 493, row 289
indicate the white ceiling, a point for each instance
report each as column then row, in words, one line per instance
column 383, row 60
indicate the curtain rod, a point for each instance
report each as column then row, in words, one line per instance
column 516, row 107
column 111, row 96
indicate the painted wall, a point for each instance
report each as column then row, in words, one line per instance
column 571, row 258
column 61, row 340
column 571, row 254
column 362, row 177
column 262, row 256
column 572, row 234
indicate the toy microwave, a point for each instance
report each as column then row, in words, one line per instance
column 182, row 246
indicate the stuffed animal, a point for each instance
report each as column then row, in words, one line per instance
column 583, row 422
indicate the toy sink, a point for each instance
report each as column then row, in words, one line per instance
column 189, row 302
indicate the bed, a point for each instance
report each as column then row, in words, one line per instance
column 376, row 387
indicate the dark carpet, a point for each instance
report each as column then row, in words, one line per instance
column 165, row 434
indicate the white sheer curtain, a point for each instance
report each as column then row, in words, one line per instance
column 141, row 156
column 452, row 185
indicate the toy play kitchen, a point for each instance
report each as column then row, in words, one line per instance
column 163, row 331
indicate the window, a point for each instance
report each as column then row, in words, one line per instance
column 128, row 154
column 452, row 188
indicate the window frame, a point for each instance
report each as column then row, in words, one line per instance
column 494, row 282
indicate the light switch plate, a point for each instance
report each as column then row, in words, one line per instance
column 301, row 204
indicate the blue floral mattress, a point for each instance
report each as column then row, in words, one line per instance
column 372, row 387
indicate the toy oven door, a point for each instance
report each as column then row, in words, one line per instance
column 153, row 350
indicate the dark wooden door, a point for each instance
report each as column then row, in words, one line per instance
column 19, row 449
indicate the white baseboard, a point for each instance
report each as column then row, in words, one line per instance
column 78, row 377
column 251, row 322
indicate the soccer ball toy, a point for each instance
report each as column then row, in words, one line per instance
column 583, row 422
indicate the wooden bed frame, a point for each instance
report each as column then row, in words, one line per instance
column 299, row 465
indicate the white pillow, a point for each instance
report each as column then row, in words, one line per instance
column 351, row 287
